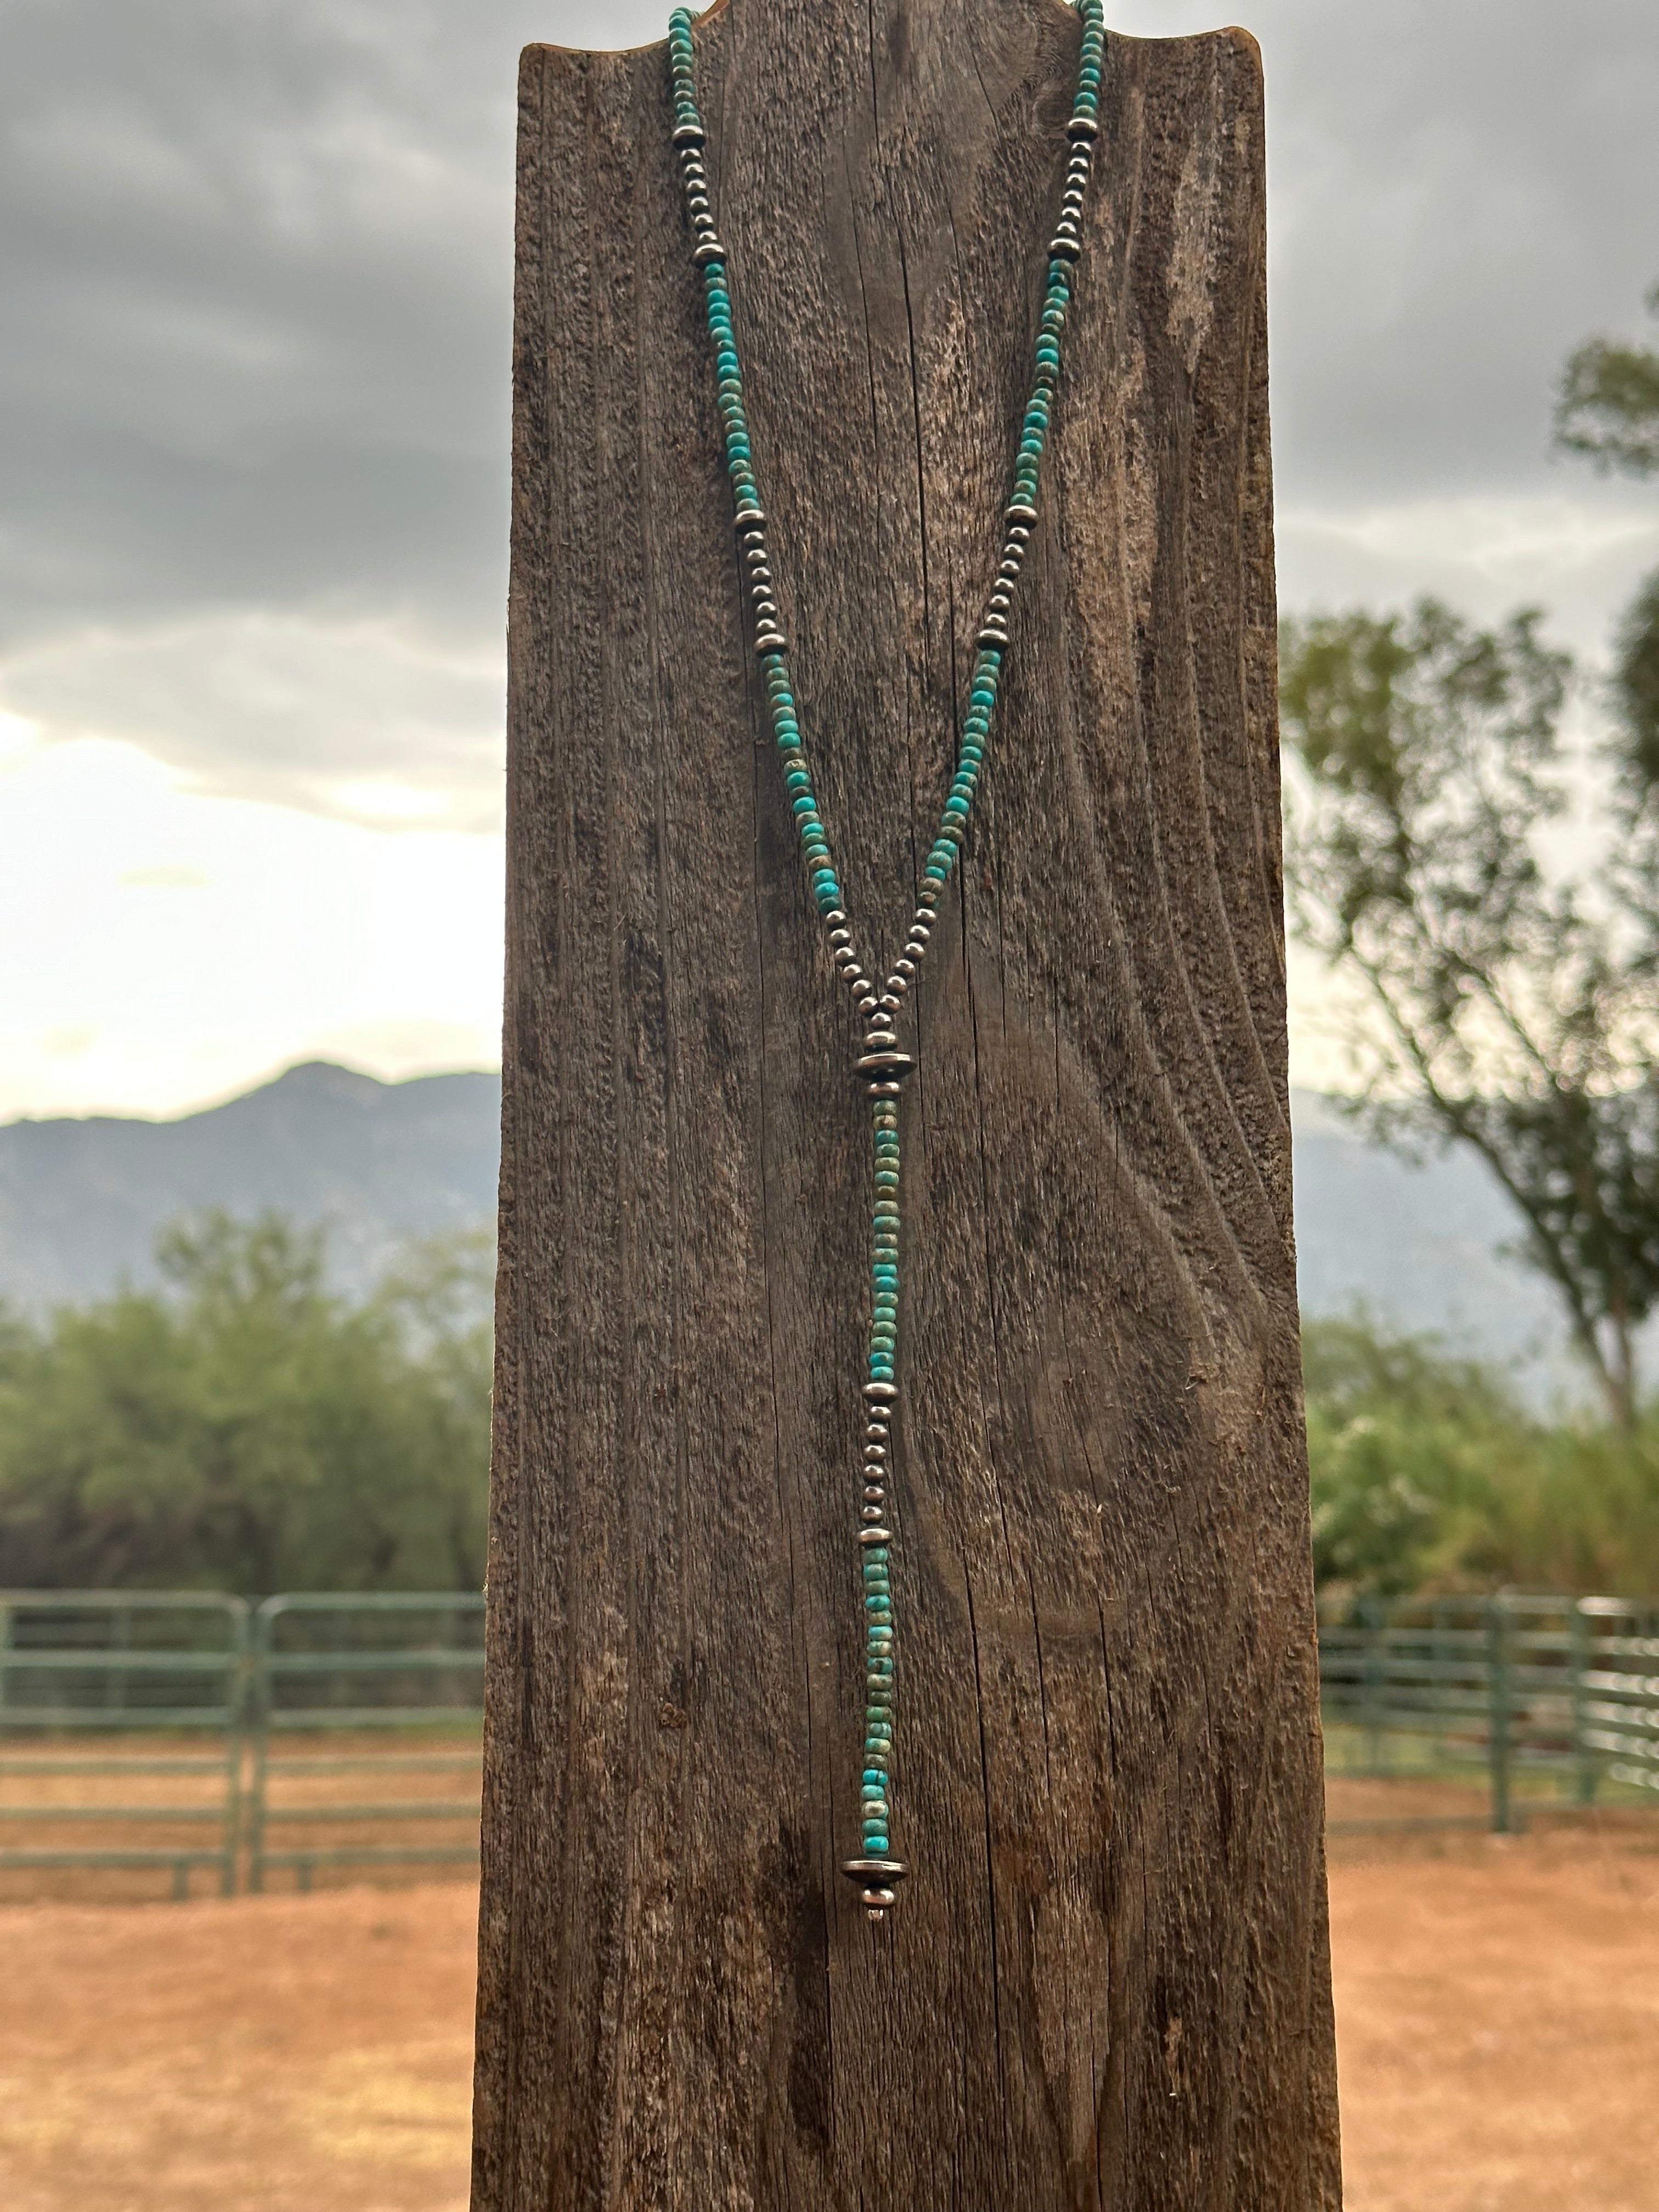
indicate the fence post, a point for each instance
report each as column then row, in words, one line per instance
column 260, row 1729
column 1588, row 1774
column 1373, row 1621
column 236, row 1716
column 679, row 1417
column 1499, row 1694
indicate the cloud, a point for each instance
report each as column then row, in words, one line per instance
column 158, row 948
column 386, row 721
column 253, row 385
column 256, row 256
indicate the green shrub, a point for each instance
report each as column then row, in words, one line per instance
column 1429, row 1473
column 242, row 1428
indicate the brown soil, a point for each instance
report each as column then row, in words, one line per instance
column 1497, row 2007
column 268, row 2054
column 1498, row 2019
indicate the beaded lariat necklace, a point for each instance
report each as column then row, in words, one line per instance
column 881, row 1067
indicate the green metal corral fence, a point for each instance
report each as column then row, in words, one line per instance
column 365, row 1718
column 1539, row 1698
column 174, row 1734
column 119, row 1732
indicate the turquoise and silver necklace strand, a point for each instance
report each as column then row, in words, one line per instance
column 881, row 1067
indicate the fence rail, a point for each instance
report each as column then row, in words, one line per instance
column 367, row 1677
column 185, row 1734
column 105, row 1698
column 1539, row 1695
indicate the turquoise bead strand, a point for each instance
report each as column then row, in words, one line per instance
column 882, row 1065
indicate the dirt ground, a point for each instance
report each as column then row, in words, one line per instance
column 1497, row 2005
column 1498, row 2020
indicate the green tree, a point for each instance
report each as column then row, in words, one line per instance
column 1505, row 1007
column 1607, row 410
column 243, row 1428
column 1608, row 406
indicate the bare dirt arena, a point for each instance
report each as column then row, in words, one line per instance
column 1497, row 2006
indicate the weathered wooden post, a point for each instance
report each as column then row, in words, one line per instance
column 1107, row 1985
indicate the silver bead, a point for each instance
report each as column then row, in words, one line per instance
column 875, row 1535
column 880, row 1394
column 1082, row 128
column 921, row 922
column 835, row 919
column 878, row 1880
column 885, row 1072
column 689, row 134
column 872, row 1511
column 1064, row 249
column 841, row 938
column 1020, row 511
column 897, row 985
column 874, row 1493
column 751, row 519
column 889, row 1002
column 904, row 969
column 874, row 1452
column 771, row 641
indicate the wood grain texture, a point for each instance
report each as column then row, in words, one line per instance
column 1106, row 1987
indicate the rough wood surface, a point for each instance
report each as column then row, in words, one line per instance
column 1106, row 1985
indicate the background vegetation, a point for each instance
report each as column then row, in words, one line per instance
column 1431, row 1473
column 1503, row 1001
column 241, row 1428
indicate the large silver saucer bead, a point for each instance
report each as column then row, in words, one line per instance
column 883, row 1071
column 878, row 1880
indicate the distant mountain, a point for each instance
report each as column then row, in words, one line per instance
column 1425, row 1247
column 377, row 1162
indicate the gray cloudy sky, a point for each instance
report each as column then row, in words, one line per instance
column 256, row 257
